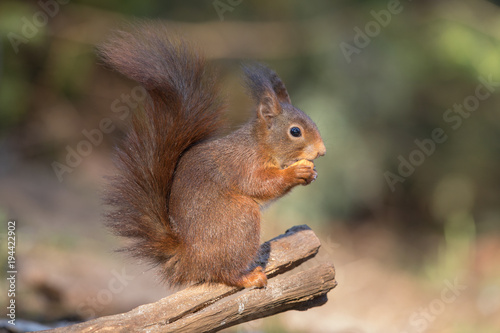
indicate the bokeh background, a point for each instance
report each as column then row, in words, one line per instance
column 410, row 222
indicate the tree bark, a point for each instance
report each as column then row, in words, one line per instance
column 207, row 308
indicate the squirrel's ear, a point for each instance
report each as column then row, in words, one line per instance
column 268, row 108
column 267, row 89
column 261, row 80
column 279, row 87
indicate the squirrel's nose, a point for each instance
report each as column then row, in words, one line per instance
column 321, row 149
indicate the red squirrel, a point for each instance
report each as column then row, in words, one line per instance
column 188, row 198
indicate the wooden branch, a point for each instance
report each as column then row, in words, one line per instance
column 299, row 291
column 207, row 308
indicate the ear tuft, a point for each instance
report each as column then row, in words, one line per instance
column 279, row 87
column 261, row 80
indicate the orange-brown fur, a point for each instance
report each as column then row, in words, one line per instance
column 189, row 199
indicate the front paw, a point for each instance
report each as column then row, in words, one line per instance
column 303, row 172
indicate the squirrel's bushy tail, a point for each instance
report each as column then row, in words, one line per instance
column 182, row 109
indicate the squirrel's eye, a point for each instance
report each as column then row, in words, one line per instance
column 295, row 132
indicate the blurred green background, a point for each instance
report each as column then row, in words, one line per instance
column 399, row 209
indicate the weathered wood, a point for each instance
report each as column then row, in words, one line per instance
column 281, row 294
column 206, row 308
